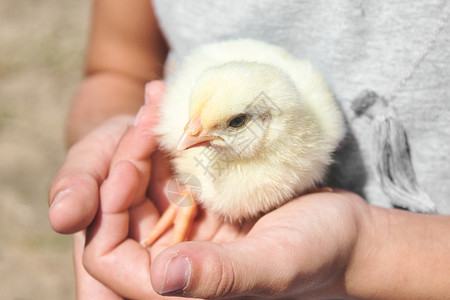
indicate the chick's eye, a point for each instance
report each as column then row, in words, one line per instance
column 238, row 121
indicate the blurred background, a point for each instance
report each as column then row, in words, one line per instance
column 42, row 46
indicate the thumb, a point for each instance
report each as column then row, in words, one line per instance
column 209, row 270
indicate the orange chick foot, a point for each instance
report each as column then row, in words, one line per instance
column 181, row 214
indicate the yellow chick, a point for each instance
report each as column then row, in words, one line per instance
column 252, row 124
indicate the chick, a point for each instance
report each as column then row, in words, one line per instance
column 253, row 124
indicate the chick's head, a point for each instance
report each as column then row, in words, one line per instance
column 242, row 109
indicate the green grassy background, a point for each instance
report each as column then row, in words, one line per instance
column 42, row 46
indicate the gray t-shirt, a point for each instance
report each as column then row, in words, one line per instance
column 358, row 46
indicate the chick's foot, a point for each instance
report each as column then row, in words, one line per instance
column 180, row 215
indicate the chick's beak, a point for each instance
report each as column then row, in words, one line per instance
column 193, row 135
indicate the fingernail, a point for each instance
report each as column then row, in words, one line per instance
column 138, row 116
column 60, row 196
column 147, row 94
column 176, row 274
column 153, row 91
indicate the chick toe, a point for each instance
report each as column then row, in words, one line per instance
column 179, row 216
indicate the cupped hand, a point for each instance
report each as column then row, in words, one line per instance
column 74, row 195
column 300, row 250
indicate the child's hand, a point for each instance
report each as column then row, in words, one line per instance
column 113, row 148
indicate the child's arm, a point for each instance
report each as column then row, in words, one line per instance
column 126, row 50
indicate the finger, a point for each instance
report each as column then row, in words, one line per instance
column 142, row 218
column 140, row 140
column 210, row 270
column 73, row 195
column 110, row 256
column 154, row 91
column 86, row 286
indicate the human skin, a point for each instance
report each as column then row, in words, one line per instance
column 320, row 245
